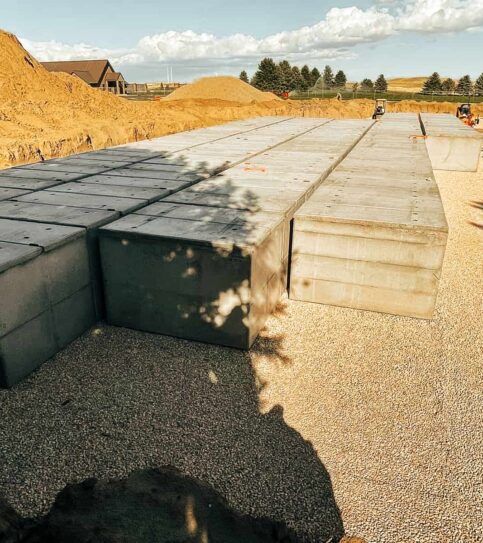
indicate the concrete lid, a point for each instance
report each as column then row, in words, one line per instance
column 47, row 236
column 423, row 217
column 142, row 182
column 56, row 214
column 79, row 166
column 13, row 254
column 120, row 191
column 160, row 174
column 90, row 201
column 205, row 214
column 27, row 173
column 228, row 236
column 227, row 201
column 27, row 184
column 8, row 193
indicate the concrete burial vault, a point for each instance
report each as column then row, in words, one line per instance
column 196, row 234
column 373, row 236
column 451, row 144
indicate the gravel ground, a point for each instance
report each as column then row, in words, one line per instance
column 382, row 412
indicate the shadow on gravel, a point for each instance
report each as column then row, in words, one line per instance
column 152, row 505
column 118, row 400
column 479, row 206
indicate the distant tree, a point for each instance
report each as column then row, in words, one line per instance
column 268, row 77
column 367, row 85
column 465, row 85
column 298, row 80
column 244, row 76
column 381, row 84
column 479, row 85
column 448, row 85
column 328, row 77
column 287, row 82
column 355, row 87
column 433, row 84
column 305, row 73
column 314, row 76
column 340, row 79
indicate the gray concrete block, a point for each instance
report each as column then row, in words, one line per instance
column 8, row 193
column 89, row 201
column 196, row 279
column 46, row 293
column 27, row 347
column 73, row 316
column 89, row 219
column 22, row 285
column 65, row 265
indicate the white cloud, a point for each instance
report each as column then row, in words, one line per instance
column 331, row 38
column 440, row 16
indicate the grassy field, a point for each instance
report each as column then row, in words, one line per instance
column 391, row 96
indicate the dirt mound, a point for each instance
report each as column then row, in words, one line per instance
column 226, row 88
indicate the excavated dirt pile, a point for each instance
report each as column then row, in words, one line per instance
column 45, row 115
column 222, row 88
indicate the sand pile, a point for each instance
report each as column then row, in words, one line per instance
column 230, row 89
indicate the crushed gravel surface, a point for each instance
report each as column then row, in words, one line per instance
column 381, row 415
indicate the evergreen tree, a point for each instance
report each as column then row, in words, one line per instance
column 244, row 76
column 299, row 82
column 305, row 73
column 448, row 85
column 314, row 76
column 287, row 82
column 367, row 85
column 340, row 79
column 381, row 84
column 355, row 87
column 328, row 77
column 465, row 85
column 433, row 84
column 479, row 85
column 268, row 76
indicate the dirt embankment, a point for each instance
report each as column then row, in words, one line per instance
column 45, row 115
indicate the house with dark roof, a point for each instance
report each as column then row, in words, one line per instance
column 97, row 73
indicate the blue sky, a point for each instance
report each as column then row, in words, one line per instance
column 364, row 38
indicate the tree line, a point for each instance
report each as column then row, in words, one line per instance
column 464, row 85
column 281, row 77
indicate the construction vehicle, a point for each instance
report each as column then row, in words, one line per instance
column 379, row 108
column 463, row 112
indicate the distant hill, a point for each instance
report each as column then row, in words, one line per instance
column 406, row 84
